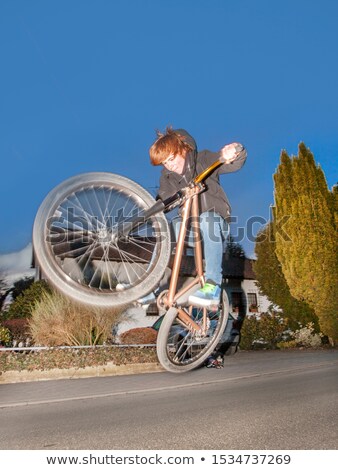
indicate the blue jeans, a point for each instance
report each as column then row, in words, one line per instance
column 214, row 231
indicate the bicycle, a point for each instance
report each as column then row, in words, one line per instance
column 103, row 240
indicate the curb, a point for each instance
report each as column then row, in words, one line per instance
column 106, row 370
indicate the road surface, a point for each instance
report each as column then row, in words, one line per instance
column 260, row 400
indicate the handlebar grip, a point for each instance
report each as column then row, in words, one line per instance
column 239, row 148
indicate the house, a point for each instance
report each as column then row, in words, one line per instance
column 239, row 281
column 240, row 285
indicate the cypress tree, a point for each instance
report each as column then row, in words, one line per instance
column 334, row 205
column 271, row 281
column 233, row 248
column 309, row 260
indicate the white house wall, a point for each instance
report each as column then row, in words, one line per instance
column 249, row 287
column 245, row 287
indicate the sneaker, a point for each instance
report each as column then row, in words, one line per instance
column 207, row 296
column 214, row 362
column 121, row 286
column 147, row 299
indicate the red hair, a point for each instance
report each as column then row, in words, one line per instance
column 171, row 142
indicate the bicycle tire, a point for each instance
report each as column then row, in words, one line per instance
column 74, row 247
column 171, row 341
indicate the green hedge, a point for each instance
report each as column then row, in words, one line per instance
column 263, row 331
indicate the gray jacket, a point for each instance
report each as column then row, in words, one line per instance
column 214, row 198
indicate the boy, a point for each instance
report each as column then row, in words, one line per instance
column 177, row 151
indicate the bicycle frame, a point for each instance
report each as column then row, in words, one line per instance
column 188, row 199
column 190, row 208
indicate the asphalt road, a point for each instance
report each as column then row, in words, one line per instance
column 260, row 400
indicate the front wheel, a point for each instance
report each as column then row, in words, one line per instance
column 78, row 251
column 181, row 348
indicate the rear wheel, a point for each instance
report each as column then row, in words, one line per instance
column 180, row 347
column 79, row 251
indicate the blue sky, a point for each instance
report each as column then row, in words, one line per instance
column 85, row 83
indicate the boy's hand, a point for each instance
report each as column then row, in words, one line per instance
column 230, row 152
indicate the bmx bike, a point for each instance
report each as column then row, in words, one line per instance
column 101, row 239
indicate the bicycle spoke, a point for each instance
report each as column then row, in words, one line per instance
column 131, row 240
column 184, row 344
column 107, row 268
column 82, row 212
column 83, row 232
column 87, row 258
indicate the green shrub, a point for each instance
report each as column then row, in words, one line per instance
column 265, row 331
column 250, row 332
column 21, row 285
column 5, row 336
column 18, row 327
column 58, row 321
column 307, row 337
column 22, row 306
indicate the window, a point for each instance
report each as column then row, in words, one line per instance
column 152, row 310
column 252, row 302
column 236, row 301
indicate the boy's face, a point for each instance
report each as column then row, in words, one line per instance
column 174, row 163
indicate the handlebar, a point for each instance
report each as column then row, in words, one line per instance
column 205, row 173
column 195, row 187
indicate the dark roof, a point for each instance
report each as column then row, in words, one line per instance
column 241, row 268
column 233, row 267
